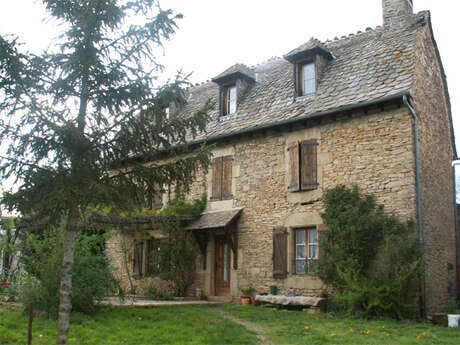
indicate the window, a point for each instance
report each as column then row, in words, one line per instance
column 229, row 100
column 306, row 83
column 154, row 201
column 303, row 165
column 156, row 256
column 149, row 257
column 306, row 250
column 222, row 178
column 167, row 113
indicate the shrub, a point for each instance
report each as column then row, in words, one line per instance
column 92, row 279
column 370, row 259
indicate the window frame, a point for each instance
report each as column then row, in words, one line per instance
column 227, row 99
column 300, row 78
column 308, row 259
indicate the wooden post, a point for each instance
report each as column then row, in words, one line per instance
column 31, row 319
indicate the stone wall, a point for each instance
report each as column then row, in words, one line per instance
column 436, row 153
column 372, row 150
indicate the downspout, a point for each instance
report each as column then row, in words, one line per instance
column 419, row 194
column 457, row 230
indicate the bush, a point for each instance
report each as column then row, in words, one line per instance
column 92, row 279
column 370, row 259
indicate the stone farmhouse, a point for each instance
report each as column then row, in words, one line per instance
column 369, row 109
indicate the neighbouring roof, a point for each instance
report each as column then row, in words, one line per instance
column 367, row 66
column 214, row 219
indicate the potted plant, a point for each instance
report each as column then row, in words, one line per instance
column 247, row 296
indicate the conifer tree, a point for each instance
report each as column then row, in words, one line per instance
column 80, row 122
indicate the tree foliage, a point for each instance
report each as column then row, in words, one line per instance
column 370, row 258
column 92, row 278
column 182, row 249
column 80, row 121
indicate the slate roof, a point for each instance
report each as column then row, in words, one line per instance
column 367, row 66
column 236, row 70
column 214, row 219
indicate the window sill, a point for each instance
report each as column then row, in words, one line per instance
column 313, row 188
column 308, row 97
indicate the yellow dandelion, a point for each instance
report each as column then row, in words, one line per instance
column 419, row 337
column 352, row 330
column 307, row 327
column 333, row 334
column 388, row 334
column 424, row 334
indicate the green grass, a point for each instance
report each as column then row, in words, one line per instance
column 200, row 325
column 288, row 327
column 164, row 325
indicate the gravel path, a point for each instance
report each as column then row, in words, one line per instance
column 259, row 331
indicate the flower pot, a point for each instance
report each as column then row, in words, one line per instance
column 245, row 300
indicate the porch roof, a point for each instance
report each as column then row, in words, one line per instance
column 214, row 219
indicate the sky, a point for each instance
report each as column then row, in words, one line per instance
column 215, row 34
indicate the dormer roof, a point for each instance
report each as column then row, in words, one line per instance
column 236, row 71
column 311, row 48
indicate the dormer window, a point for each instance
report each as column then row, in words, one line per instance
column 309, row 62
column 306, row 79
column 229, row 100
column 233, row 85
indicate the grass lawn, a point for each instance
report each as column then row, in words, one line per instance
column 202, row 325
column 288, row 327
column 161, row 325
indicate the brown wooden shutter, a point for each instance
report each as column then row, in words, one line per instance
column 308, row 159
column 227, row 177
column 138, row 255
column 279, row 253
column 293, row 150
column 217, row 178
column 149, row 269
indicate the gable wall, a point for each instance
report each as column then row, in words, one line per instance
column 374, row 151
column 436, row 153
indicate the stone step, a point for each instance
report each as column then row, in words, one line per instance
column 221, row 299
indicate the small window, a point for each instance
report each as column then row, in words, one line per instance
column 306, row 250
column 306, row 82
column 167, row 113
column 303, row 166
column 222, row 178
column 229, row 100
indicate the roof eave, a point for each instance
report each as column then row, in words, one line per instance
column 340, row 109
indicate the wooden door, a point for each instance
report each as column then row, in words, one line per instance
column 222, row 266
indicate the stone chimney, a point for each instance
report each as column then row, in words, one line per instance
column 396, row 12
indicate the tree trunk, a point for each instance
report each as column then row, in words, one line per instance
column 125, row 260
column 65, row 291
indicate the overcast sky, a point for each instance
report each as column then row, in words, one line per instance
column 216, row 34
